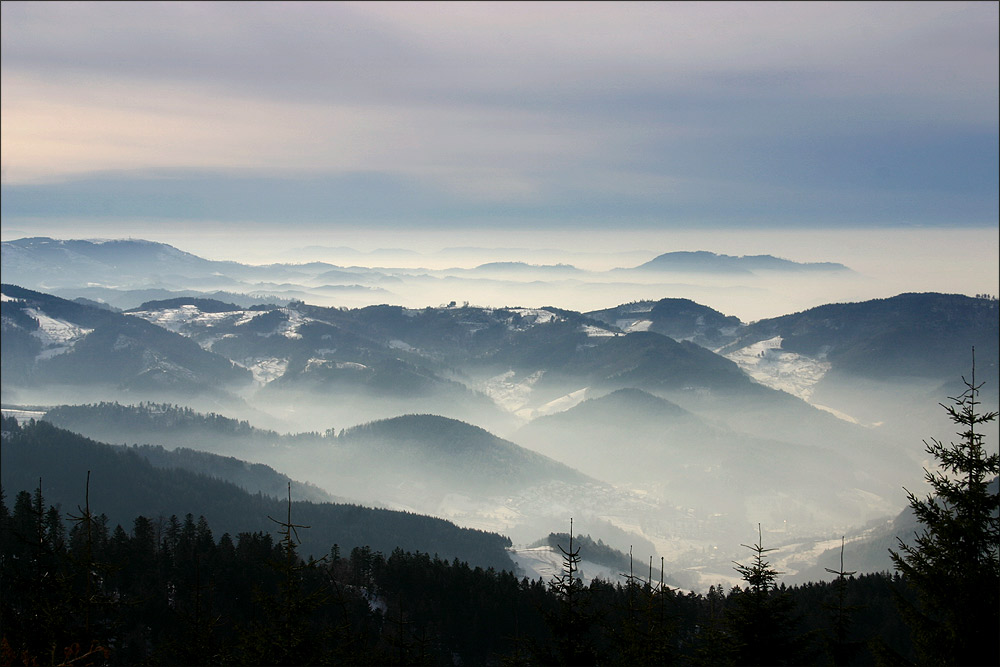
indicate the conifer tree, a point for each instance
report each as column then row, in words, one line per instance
column 572, row 624
column 954, row 562
column 760, row 616
column 285, row 636
column 646, row 629
column 842, row 647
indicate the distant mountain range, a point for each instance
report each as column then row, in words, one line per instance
column 115, row 259
column 485, row 365
column 662, row 419
column 702, row 261
column 126, row 272
column 421, row 463
column 48, row 340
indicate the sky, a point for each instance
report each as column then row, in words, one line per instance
column 306, row 120
column 864, row 133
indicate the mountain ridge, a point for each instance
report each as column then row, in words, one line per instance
column 705, row 261
column 62, row 459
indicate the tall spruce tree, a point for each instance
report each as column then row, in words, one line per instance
column 954, row 562
column 761, row 616
column 573, row 621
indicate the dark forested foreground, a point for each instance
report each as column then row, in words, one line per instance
column 170, row 592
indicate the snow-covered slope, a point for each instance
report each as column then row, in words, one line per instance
column 546, row 563
column 767, row 363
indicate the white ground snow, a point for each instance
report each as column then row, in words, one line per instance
column 840, row 415
column 265, row 370
column 184, row 318
column 628, row 326
column 793, row 373
column 23, row 415
column 509, row 395
column 596, row 332
column 178, row 319
column 56, row 336
column 536, row 315
column 560, row 404
column 290, row 329
column 547, row 563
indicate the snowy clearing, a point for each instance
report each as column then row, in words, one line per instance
column 546, row 563
column 57, row 336
column 185, row 317
column 265, row 370
column 768, row 364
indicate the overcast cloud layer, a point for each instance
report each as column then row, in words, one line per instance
column 564, row 114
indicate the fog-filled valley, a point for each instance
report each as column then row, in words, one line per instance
column 660, row 425
column 482, row 333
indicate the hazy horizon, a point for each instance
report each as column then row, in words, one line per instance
column 885, row 262
column 859, row 133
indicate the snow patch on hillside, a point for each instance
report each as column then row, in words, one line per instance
column 290, row 329
column 840, row 415
column 508, row 393
column 57, row 336
column 596, row 332
column 561, row 404
column 635, row 325
column 23, row 416
column 768, row 364
column 535, row 315
column 182, row 319
column 265, row 369
column 514, row 395
column 546, row 563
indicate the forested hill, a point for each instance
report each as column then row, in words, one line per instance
column 123, row 484
column 453, row 452
column 909, row 335
column 154, row 417
column 173, row 426
column 149, row 416
column 251, row 477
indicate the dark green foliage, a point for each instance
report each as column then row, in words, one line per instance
column 126, row 484
column 574, row 619
column 761, row 617
column 168, row 591
column 842, row 647
column 152, row 417
column 954, row 562
column 647, row 632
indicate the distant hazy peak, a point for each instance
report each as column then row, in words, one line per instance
column 526, row 266
column 702, row 260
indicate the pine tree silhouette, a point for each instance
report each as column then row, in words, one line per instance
column 954, row 562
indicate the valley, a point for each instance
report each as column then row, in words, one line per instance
column 665, row 427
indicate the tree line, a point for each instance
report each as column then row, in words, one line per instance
column 76, row 591
column 168, row 591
